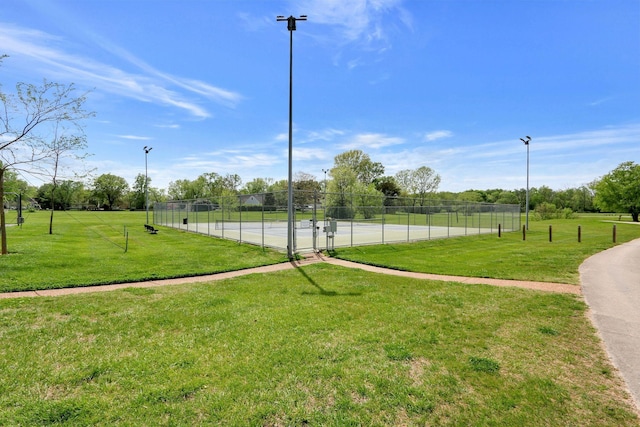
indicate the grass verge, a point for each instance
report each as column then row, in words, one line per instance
column 318, row 345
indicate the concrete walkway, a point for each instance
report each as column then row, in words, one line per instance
column 611, row 286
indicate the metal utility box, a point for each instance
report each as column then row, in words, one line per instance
column 332, row 227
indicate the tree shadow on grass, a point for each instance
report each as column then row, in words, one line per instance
column 322, row 290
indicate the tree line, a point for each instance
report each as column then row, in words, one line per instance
column 353, row 172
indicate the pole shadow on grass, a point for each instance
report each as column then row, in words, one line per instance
column 323, row 291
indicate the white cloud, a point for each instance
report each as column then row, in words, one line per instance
column 438, row 134
column 136, row 138
column 364, row 141
column 41, row 49
column 356, row 22
column 310, row 154
column 323, row 135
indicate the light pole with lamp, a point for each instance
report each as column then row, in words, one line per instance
column 291, row 26
column 526, row 142
column 325, row 185
column 146, row 181
column 324, row 209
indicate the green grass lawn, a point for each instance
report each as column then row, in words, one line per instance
column 507, row 257
column 319, row 345
column 88, row 248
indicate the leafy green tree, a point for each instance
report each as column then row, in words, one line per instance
column 388, row 186
column 540, row 195
column 507, row 198
column 182, row 189
column 109, row 189
column 305, row 189
column 137, row 196
column 13, row 186
column 366, row 171
column 339, row 192
column 279, row 197
column 62, row 196
column 229, row 202
column 419, row 183
column 257, row 185
column 471, row 196
column 619, row 190
column 369, row 200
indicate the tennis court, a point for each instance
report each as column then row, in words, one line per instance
column 347, row 233
column 319, row 226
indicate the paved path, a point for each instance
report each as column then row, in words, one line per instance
column 611, row 286
column 311, row 258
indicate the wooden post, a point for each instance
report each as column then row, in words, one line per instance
column 499, row 230
column 614, row 233
column 579, row 233
column 524, row 232
column 550, row 234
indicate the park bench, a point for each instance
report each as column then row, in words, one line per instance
column 150, row 229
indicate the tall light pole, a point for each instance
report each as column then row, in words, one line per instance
column 526, row 142
column 291, row 26
column 146, row 181
column 325, row 184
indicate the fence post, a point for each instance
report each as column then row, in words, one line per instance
column 524, row 232
column 579, row 233
column 499, row 230
column 614, row 233
column 550, row 234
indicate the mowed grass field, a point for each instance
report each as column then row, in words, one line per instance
column 509, row 256
column 92, row 248
column 316, row 345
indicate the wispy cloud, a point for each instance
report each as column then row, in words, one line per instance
column 135, row 137
column 438, row 134
column 364, row 141
column 600, row 101
column 323, row 135
column 310, row 154
column 45, row 51
column 228, row 161
column 363, row 23
column 169, row 126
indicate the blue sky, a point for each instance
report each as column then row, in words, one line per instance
column 449, row 84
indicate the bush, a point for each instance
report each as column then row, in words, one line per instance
column 545, row 211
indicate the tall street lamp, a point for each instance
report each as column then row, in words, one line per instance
column 325, row 184
column 146, row 181
column 526, row 142
column 291, row 26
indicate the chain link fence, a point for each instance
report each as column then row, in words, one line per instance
column 329, row 220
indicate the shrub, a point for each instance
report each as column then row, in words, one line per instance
column 545, row 211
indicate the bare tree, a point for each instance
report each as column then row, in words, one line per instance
column 60, row 148
column 27, row 119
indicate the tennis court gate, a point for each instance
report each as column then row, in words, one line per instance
column 328, row 220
